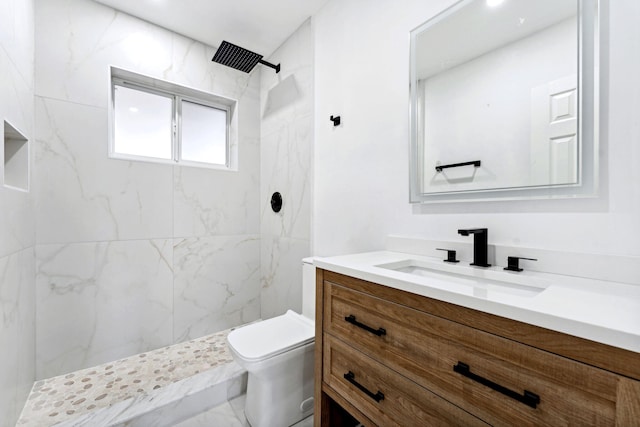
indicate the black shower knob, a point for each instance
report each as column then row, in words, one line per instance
column 276, row 202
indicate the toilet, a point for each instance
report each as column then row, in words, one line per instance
column 278, row 356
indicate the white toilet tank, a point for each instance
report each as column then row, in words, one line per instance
column 278, row 354
column 308, row 288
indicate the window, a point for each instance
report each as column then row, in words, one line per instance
column 204, row 133
column 143, row 124
column 158, row 121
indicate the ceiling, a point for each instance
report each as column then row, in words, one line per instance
column 260, row 26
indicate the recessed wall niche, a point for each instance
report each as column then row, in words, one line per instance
column 16, row 158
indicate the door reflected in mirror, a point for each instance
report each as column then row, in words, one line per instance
column 503, row 101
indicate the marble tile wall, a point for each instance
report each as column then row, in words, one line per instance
column 99, row 300
column 286, row 127
column 207, row 293
column 83, row 196
column 17, row 223
column 132, row 256
column 16, row 107
column 17, row 330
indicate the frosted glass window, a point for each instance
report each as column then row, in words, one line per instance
column 204, row 134
column 158, row 121
column 143, row 123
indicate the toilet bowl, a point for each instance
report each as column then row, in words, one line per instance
column 278, row 354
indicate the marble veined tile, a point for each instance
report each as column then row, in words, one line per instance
column 82, row 195
column 216, row 284
column 286, row 141
column 296, row 59
column 17, row 330
column 286, row 168
column 101, row 301
column 77, row 40
column 17, row 221
column 281, row 275
column 191, row 396
column 214, row 202
column 16, row 97
column 221, row 415
column 16, row 36
column 281, row 105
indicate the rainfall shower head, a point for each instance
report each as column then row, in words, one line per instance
column 239, row 58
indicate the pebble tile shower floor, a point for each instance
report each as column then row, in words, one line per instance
column 66, row 397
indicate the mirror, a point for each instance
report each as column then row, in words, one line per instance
column 504, row 101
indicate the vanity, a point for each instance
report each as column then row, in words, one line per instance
column 407, row 340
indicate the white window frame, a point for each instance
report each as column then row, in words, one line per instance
column 177, row 94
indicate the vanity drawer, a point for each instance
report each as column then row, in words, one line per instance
column 384, row 396
column 426, row 348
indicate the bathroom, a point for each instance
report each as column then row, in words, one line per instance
column 102, row 259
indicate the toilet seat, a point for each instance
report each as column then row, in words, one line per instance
column 262, row 340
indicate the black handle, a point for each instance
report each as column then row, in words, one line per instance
column 350, row 376
column 451, row 255
column 335, row 120
column 475, row 163
column 528, row 398
column 352, row 319
column 276, row 202
column 513, row 263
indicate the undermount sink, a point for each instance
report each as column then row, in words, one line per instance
column 475, row 281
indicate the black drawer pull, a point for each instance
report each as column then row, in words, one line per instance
column 350, row 376
column 528, row 398
column 352, row 319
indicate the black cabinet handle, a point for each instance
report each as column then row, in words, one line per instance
column 528, row 398
column 352, row 319
column 351, row 377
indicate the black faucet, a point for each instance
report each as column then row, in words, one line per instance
column 480, row 245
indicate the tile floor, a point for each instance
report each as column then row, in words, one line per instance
column 229, row 414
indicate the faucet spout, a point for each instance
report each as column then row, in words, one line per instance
column 466, row 232
column 480, row 245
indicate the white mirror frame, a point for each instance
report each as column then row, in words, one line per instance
column 588, row 119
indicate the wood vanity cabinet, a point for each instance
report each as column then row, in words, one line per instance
column 391, row 358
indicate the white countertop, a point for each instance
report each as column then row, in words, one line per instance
column 601, row 311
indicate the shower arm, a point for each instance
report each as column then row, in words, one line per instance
column 269, row 64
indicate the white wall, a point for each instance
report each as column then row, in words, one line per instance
column 17, row 228
column 285, row 166
column 133, row 256
column 361, row 168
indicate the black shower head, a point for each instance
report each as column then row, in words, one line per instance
column 239, row 58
